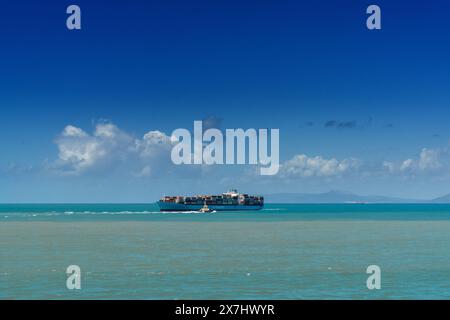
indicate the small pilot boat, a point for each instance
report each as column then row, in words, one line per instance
column 205, row 209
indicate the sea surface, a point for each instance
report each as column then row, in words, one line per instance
column 286, row 251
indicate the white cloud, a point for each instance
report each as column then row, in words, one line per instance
column 153, row 143
column 407, row 165
column 109, row 147
column 389, row 166
column 145, row 172
column 304, row 166
column 107, row 131
column 71, row 131
column 428, row 161
column 80, row 152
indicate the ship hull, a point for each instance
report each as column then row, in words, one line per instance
column 170, row 206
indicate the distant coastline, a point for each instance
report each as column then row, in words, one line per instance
column 342, row 197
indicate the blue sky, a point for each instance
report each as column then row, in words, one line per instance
column 339, row 93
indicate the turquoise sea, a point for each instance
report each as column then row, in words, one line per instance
column 304, row 251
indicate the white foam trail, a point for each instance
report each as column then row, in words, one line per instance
column 99, row 213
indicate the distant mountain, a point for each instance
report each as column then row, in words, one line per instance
column 334, row 197
column 443, row 199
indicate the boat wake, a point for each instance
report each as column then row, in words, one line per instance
column 9, row 215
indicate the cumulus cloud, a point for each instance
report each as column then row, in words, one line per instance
column 153, row 143
column 304, row 166
column 407, row 165
column 71, row 131
column 79, row 151
column 388, row 166
column 109, row 147
column 428, row 161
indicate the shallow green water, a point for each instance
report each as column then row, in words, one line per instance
column 283, row 252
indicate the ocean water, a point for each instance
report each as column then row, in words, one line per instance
column 282, row 252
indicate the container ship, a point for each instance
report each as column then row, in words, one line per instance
column 228, row 201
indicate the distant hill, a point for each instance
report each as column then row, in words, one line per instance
column 335, row 197
column 443, row 199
